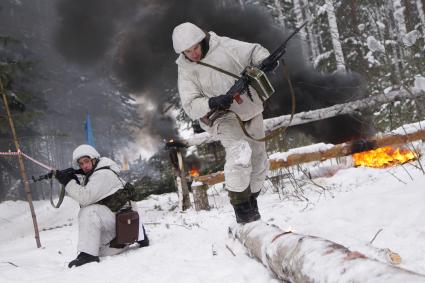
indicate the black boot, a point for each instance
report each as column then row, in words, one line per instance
column 145, row 241
column 253, row 200
column 83, row 258
column 245, row 205
column 246, row 213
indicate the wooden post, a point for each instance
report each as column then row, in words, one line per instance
column 184, row 199
column 21, row 166
column 200, row 196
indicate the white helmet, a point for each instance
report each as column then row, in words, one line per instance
column 185, row 36
column 84, row 150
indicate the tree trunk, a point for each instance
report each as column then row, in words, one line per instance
column 200, row 196
column 333, row 28
column 323, row 152
column 355, row 26
column 421, row 11
column 338, row 109
column 280, row 16
column 401, row 26
column 184, row 199
column 396, row 58
column 300, row 20
column 408, row 15
column 312, row 37
column 319, row 114
column 348, row 148
column 303, row 259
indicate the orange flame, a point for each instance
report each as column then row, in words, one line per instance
column 194, row 172
column 383, row 157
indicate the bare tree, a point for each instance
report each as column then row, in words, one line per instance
column 333, row 28
column 298, row 10
column 312, row 37
column 280, row 16
column 421, row 11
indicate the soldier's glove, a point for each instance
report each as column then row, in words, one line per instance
column 222, row 102
column 65, row 176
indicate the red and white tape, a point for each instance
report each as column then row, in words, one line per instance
column 9, row 153
column 14, row 153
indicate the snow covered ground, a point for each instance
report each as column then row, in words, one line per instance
column 195, row 247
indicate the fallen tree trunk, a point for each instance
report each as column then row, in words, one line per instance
column 349, row 148
column 319, row 114
column 338, row 109
column 302, row 259
column 323, row 152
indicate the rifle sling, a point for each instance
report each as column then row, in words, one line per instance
column 61, row 195
column 218, row 69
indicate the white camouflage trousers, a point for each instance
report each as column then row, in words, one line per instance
column 246, row 159
column 96, row 228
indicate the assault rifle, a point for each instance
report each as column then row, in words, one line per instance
column 52, row 173
column 254, row 76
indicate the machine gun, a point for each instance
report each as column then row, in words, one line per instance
column 253, row 76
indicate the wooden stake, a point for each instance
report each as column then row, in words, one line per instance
column 21, row 166
column 184, row 199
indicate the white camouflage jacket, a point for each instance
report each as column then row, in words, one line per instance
column 102, row 183
column 197, row 83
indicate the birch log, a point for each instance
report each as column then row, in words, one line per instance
column 302, row 259
column 326, row 151
column 200, row 196
column 320, row 114
column 339, row 109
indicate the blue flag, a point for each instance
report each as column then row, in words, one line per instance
column 89, row 131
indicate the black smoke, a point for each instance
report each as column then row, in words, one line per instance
column 87, row 28
column 136, row 35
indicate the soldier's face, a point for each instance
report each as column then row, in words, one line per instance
column 194, row 53
column 85, row 164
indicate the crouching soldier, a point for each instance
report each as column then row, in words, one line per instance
column 100, row 192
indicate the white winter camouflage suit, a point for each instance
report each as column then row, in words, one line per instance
column 96, row 223
column 246, row 159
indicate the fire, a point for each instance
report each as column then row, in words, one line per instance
column 383, row 157
column 194, row 172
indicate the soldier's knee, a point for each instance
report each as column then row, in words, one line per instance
column 240, row 153
column 88, row 212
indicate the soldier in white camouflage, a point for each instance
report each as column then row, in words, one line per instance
column 203, row 88
column 100, row 193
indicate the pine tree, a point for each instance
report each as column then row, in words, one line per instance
column 13, row 68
